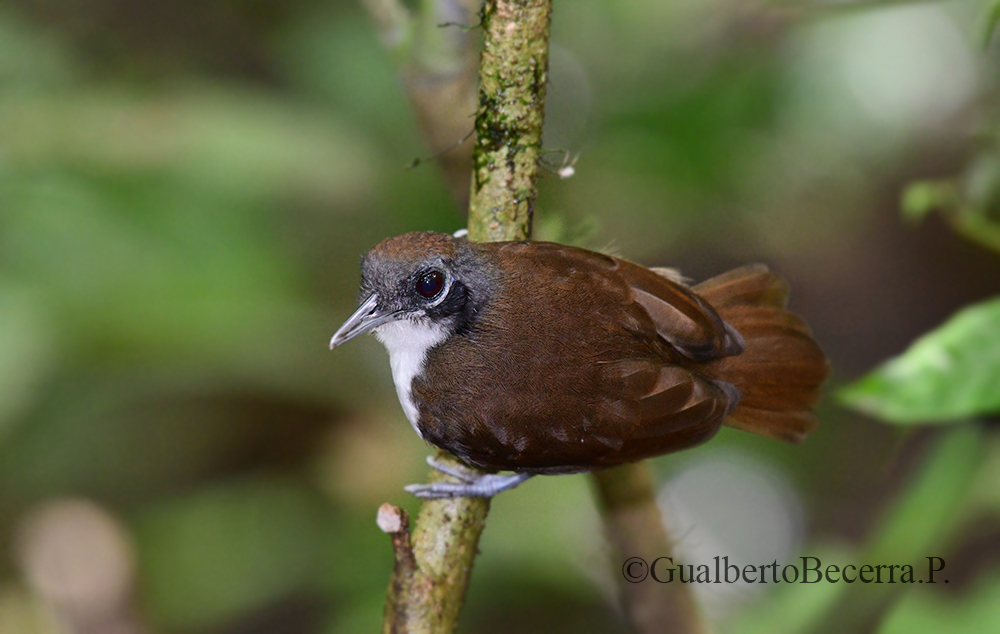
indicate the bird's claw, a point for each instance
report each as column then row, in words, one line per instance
column 485, row 486
column 454, row 470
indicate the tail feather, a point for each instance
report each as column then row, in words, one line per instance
column 781, row 369
column 753, row 285
column 789, row 426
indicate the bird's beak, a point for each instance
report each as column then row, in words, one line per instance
column 365, row 318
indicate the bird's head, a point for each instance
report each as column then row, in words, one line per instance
column 427, row 280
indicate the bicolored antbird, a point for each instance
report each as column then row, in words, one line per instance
column 539, row 358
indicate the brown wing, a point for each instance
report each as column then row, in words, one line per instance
column 680, row 410
column 680, row 317
column 684, row 320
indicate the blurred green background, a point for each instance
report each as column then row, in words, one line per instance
column 185, row 193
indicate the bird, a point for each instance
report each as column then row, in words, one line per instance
column 534, row 358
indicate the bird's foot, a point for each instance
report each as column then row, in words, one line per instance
column 454, row 470
column 471, row 485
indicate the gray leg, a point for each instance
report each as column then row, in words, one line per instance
column 454, row 470
column 484, row 487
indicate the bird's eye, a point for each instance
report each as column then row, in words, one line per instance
column 430, row 284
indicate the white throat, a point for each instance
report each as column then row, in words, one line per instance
column 408, row 342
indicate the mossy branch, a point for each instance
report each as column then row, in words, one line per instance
column 513, row 73
column 433, row 565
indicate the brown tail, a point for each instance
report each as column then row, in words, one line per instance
column 780, row 371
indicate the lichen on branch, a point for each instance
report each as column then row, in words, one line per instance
column 513, row 72
column 433, row 564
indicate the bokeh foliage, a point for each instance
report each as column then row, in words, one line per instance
column 185, row 192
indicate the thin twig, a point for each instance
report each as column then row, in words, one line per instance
column 392, row 19
column 438, row 68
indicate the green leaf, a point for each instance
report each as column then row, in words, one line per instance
column 950, row 374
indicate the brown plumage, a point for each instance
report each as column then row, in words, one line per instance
column 555, row 359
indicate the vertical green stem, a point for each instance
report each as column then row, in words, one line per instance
column 513, row 72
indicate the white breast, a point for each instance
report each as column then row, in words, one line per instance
column 408, row 343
